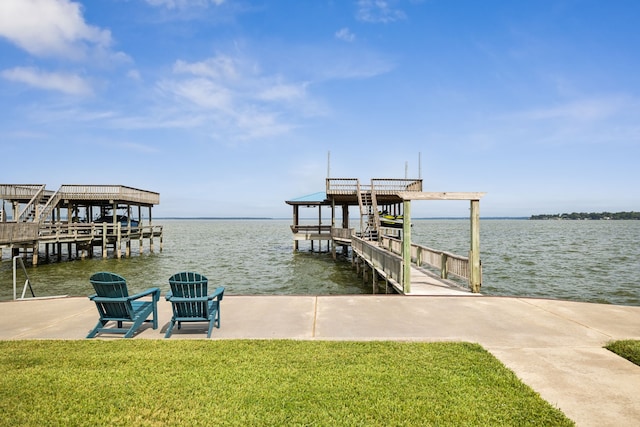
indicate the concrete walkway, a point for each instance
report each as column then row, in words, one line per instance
column 553, row 346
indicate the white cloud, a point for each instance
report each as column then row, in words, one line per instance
column 71, row 84
column 51, row 28
column 345, row 34
column 239, row 101
column 283, row 92
column 183, row 4
column 220, row 67
column 378, row 11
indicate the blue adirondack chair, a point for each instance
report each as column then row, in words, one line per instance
column 190, row 302
column 115, row 304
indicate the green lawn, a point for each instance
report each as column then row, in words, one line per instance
column 629, row 349
column 266, row 383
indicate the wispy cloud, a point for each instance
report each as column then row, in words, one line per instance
column 183, row 4
column 236, row 96
column 51, row 28
column 345, row 34
column 379, row 11
column 71, row 84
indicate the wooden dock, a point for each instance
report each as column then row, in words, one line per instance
column 78, row 217
column 384, row 246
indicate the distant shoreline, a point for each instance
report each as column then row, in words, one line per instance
column 243, row 218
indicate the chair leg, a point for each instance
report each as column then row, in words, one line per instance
column 95, row 330
column 155, row 316
column 170, row 329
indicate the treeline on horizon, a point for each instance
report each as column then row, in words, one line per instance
column 591, row 215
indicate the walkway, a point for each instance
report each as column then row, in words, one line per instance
column 553, row 346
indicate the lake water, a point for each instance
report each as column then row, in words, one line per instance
column 595, row 261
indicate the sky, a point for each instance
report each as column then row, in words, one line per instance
column 231, row 107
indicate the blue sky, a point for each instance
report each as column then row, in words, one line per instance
column 229, row 107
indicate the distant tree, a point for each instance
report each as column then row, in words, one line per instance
column 590, row 215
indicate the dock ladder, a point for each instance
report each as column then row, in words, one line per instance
column 369, row 220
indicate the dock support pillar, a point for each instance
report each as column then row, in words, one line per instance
column 475, row 278
column 406, row 247
column 34, row 259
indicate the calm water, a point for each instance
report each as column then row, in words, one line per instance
column 596, row 261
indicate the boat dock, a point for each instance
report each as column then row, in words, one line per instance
column 78, row 217
column 382, row 244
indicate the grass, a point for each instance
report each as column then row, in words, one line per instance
column 629, row 349
column 254, row 382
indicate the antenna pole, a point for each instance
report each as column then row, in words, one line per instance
column 328, row 164
column 419, row 165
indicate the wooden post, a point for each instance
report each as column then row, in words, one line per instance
column 295, row 225
column 406, row 247
column 34, row 259
column 118, row 239
column 104, row 240
column 444, row 271
column 474, row 252
column 151, row 234
column 141, row 230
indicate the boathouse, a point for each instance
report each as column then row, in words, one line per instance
column 80, row 217
column 382, row 242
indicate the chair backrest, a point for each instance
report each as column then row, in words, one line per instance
column 111, row 285
column 189, row 285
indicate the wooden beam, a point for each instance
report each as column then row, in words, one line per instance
column 421, row 195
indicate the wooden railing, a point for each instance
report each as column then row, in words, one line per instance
column 19, row 191
column 320, row 229
column 342, row 233
column 387, row 263
column 25, row 232
column 30, row 210
column 342, row 186
column 350, row 186
column 392, row 186
column 445, row 262
column 18, row 232
column 110, row 192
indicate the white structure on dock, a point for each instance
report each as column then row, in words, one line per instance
column 383, row 243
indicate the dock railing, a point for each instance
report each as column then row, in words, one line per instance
column 446, row 263
column 18, row 232
column 350, row 186
column 385, row 262
column 114, row 192
column 342, row 233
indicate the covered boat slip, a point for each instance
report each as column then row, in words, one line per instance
column 84, row 216
column 384, row 246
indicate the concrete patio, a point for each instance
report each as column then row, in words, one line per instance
column 556, row 347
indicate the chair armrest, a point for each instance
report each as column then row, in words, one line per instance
column 187, row 299
column 151, row 291
column 109, row 299
column 168, row 295
column 217, row 293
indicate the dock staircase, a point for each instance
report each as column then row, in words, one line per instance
column 31, row 211
column 369, row 219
